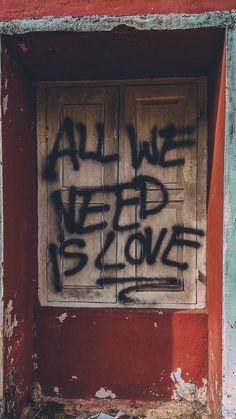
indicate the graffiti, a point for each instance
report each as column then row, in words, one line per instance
column 155, row 157
column 72, row 151
column 148, row 150
column 139, row 183
column 74, row 218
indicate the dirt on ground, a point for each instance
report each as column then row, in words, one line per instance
column 58, row 408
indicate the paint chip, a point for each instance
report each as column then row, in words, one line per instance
column 10, row 322
column 155, row 324
column 9, row 351
column 186, row 390
column 74, row 377
column 103, row 394
column 62, row 317
column 5, row 104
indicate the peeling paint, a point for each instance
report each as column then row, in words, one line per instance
column 9, row 349
column 10, row 394
column 62, row 317
column 187, row 390
column 74, row 378
column 103, row 394
column 94, row 23
column 10, row 321
column 5, row 104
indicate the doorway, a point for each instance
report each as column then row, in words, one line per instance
column 123, row 350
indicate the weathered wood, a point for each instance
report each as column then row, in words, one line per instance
column 149, row 108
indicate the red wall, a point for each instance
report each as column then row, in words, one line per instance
column 18, row 9
column 126, row 351
column 215, row 239
column 131, row 352
column 20, row 223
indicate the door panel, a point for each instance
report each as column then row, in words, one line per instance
column 164, row 120
column 87, row 119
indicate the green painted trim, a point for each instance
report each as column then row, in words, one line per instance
column 107, row 23
column 229, row 244
column 1, row 269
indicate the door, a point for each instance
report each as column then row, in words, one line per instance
column 122, row 194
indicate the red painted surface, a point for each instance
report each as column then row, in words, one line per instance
column 19, row 9
column 20, row 244
column 215, row 240
column 131, row 352
column 124, row 350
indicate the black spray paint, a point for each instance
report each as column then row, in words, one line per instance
column 74, row 218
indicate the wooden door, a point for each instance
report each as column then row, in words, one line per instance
column 161, row 144
column 122, row 186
